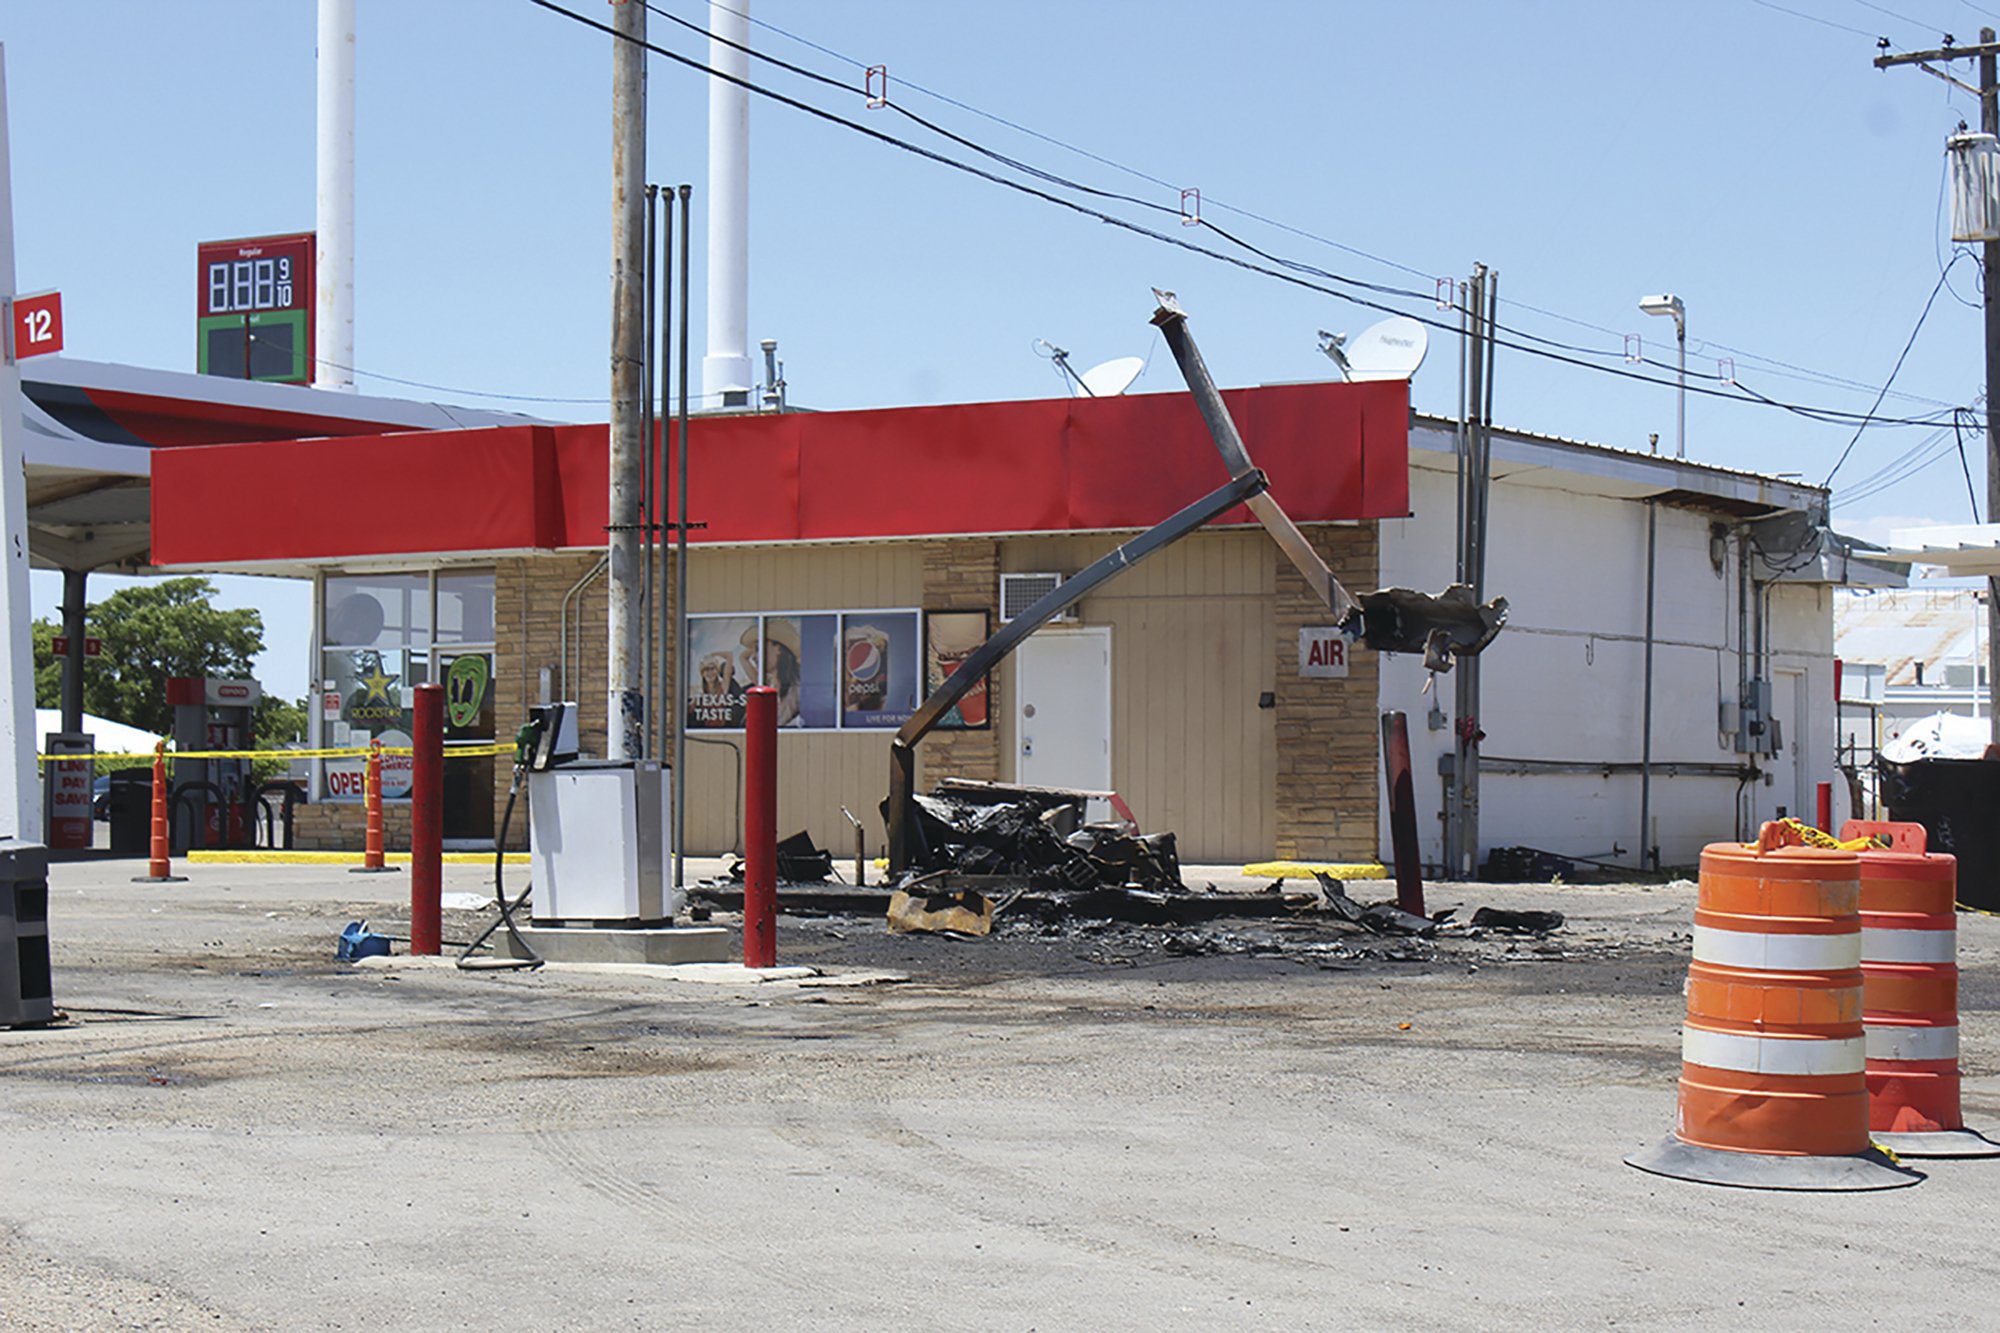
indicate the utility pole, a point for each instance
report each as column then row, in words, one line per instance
column 1475, row 454
column 1988, row 93
column 625, row 717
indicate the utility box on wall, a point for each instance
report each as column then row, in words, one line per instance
column 26, row 993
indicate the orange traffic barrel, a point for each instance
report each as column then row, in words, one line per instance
column 1909, row 976
column 1773, row 1090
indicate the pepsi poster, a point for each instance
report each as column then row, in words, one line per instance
column 878, row 668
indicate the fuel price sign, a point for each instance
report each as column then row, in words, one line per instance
column 253, row 308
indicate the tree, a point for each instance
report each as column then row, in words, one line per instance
column 151, row 632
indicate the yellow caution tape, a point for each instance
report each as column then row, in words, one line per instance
column 1789, row 831
column 473, row 750
column 268, row 857
column 1306, row 870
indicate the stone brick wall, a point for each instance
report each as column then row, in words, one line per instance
column 1328, row 737
column 962, row 576
column 343, row 827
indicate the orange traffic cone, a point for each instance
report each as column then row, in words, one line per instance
column 1909, row 985
column 1773, row 1093
column 159, row 863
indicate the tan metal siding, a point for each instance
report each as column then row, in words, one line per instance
column 817, row 772
column 1193, row 645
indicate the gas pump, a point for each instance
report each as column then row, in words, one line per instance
column 211, row 797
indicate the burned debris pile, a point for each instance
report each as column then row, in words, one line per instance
column 1037, row 836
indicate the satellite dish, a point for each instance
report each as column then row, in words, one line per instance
column 1390, row 350
column 1112, row 378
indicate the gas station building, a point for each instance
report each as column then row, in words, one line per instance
column 832, row 550
column 842, row 555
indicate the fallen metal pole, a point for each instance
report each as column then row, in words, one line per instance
column 1172, row 321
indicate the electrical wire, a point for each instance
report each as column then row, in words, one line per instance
column 1971, row 495
column 1900, row 18
column 1772, row 365
column 1893, row 372
column 1813, row 18
column 1294, row 278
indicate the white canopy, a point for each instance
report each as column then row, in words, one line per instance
column 1959, row 550
column 110, row 737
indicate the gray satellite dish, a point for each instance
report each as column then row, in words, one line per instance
column 1390, row 350
column 1112, row 378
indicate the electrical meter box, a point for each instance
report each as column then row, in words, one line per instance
column 599, row 843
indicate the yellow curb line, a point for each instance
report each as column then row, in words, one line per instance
column 339, row 858
column 1305, row 869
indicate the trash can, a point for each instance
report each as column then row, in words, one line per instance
column 131, row 809
column 1958, row 803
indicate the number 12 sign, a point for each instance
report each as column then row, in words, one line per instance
column 37, row 324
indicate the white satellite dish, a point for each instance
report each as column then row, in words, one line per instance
column 1112, row 378
column 1390, row 350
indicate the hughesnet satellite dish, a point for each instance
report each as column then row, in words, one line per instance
column 1390, row 350
column 1112, row 378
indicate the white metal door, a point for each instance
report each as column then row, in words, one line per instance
column 1062, row 701
column 1791, row 785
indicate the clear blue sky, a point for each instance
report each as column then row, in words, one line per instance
column 1749, row 159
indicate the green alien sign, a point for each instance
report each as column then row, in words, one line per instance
column 465, row 690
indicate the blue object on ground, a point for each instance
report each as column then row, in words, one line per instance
column 357, row 941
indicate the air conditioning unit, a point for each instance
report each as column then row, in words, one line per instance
column 1018, row 592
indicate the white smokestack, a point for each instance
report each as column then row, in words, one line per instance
column 333, row 313
column 725, row 370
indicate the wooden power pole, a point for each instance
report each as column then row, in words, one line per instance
column 1988, row 93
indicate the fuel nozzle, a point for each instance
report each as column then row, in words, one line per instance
column 525, row 741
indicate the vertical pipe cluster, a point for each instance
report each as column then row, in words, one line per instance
column 680, row 568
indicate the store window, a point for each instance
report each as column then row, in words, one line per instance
column 833, row 671
column 384, row 634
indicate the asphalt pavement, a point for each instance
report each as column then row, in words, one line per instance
column 1273, row 1123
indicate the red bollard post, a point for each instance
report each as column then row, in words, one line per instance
column 1402, row 812
column 1826, row 807
column 372, row 861
column 159, row 865
column 760, row 827
column 427, row 821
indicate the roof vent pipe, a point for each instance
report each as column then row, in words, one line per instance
column 774, row 377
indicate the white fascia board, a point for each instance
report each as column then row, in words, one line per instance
column 1594, row 469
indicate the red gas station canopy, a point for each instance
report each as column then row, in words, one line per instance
column 1332, row 451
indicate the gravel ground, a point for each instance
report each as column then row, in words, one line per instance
column 1261, row 1124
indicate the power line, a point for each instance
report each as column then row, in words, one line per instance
column 1893, row 372
column 1746, row 394
column 1900, row 18
column 1971, row 495
column 1804, row 373
column 1814, row 18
